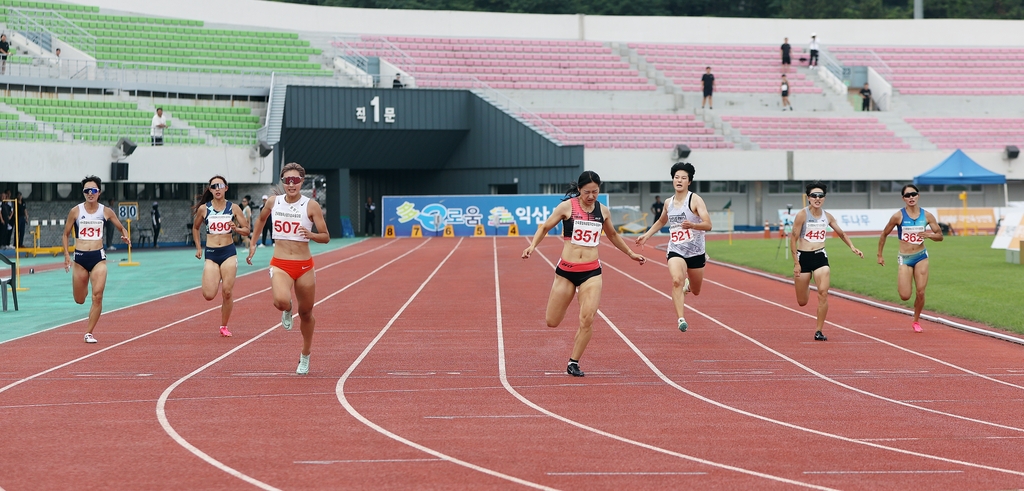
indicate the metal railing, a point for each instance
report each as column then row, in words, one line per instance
column 41, row 26
column 120, row 73
column 866, row 57
column 107, row 134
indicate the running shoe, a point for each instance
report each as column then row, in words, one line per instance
column 303, row 365
column 225, row 332
column 89, row 339
column 686, row 286
column 818, row 336
column 286, row 320
column 683, row 325
column 917, row 327
column 574, row 370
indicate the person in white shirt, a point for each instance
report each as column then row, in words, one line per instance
column 156, row 128
column 813, row 47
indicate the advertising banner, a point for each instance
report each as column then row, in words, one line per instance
column 969, row 220
column 1011, row 231
column 853, row 220
column 496, row 212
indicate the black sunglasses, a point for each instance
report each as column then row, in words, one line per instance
column 815, row 195
column 910, row 194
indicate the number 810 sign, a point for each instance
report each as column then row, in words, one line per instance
column 128, row 211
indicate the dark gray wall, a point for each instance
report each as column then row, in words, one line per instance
column 441, row 142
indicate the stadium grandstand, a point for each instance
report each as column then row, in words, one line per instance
column 245, row 85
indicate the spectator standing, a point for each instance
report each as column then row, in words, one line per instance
column 21, row 220
column 157, row 220
column 812, row 62
column 57, row 53
column 657, row 208
column 785, row 52
column 371, row 211
column 247, row 215
column 865, row 93
column 6, row 220
column 109, row 228
column 397, row 84
column 156, row 129
column 707, row 82
column 5, row 49
column 267, row 227
column 785, row 93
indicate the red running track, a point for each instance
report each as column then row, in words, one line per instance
column 418, row 379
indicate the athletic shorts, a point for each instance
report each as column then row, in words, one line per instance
column 89, row 259
column 294, row 267
column 707, row 93
column 786, row 60
column 694, row 262
column 912, row 259
column 785, row 93
column 220, row 254
column 578, row 273
column 810, row 261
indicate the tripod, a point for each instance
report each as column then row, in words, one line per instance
column 787, row 229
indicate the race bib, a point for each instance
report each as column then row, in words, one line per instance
column 912, row 235
column 287, row 229
column 218, row 224
column 680, row 235
column 90, row 230
column 585, row 233
column 815, row 232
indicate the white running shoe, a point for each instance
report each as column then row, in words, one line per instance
column 303, row 365
column 286, row 320
column 686, row 286
column 89, row 339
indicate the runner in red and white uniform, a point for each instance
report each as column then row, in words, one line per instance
column 86, row 220
column 222, row 218
column 687, row 218
column 583, row 219
column 808, row 248
column 913, row 225
column 293, row 217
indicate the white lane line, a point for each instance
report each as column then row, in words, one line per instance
column 508, row 386
column 722, row 405
column 496, row 416
column 638, row 473
column 364, row 461
column 140, row 336
column 340, row 392
column 884, row 472
column 937, row 320
column 168, row 295
column 825, row 377
column 161, row 403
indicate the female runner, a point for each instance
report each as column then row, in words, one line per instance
column 293, row 217
column 220, row 217
column 808, row 248
column 583, row 219
column 90, row 264
column 688, row 220
column 912, row 225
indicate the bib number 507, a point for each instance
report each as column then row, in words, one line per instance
column 286, row 227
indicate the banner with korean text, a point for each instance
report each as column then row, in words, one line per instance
column 496, row 212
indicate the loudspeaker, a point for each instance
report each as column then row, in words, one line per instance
column 265, row 148
column 126, row 145
column 1012, row 152
column 681, row 151
column 119, row 171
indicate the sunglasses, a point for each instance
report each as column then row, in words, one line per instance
column 291, row 180
column 816, row 195
column 910, row 195
column 218, row 185
column 91, row 191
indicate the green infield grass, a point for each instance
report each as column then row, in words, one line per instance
column 967, row 278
